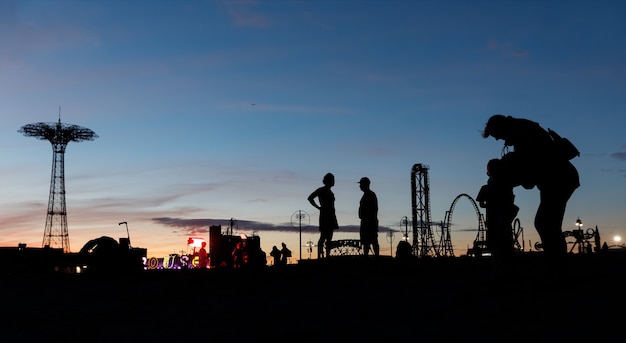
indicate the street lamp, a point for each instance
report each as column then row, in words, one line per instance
column 309, row 247
column 579, row 235
column 299, row 217
column 127, row 234
column 405, row 221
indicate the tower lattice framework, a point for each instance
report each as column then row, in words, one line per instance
column 59, row 135
column 423, row 240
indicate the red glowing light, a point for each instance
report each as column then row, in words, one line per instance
column 195, row 242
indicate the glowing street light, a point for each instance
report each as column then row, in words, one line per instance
column 405, row 221
column 617, row 239
column 579, row 235
column 309, row 247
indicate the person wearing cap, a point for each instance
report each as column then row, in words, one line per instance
column 368, row 213
column 328, row 218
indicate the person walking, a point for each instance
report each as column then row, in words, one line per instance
column 542, row 159
column 328, row 219
column 368, row 213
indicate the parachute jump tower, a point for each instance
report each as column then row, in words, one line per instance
column 59, row 134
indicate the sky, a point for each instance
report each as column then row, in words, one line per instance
column 207, row 111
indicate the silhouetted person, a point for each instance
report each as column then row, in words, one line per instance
column 538, row 161
column 605, row 247
column 328, row 218
column 368, row 213
column 285, row 253
column 275, row 253
column 404, row 250
column 238, row 255
column 202, row 256
column 497, row 198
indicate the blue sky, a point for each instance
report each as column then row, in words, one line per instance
column 211, row 110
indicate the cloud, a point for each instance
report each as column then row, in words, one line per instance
column 619, row 156
column 200, row 226
column 517, row 54
column 506, row 50
column 26, row 38
column 268, row 108
column 244, row 16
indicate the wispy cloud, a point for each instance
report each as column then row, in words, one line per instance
column 272, row 108
column 619, row 156
column 506, row 49
column 243, row 14
column 200, row 226
column 29, row 37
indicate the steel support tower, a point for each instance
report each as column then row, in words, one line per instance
column 55, row 233
column 423, row 241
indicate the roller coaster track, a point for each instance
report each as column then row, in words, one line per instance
column 437, row 242
column 426, row 240
column 480, row 241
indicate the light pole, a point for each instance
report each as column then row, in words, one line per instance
column 309, row 247
column 579, row 239
column 405, row 221
column 299, row 216
column 127, row 234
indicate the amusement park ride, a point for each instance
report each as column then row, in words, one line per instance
column 429, row 241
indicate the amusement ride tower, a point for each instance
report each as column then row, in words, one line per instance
column 423, row 241
column 59, row 134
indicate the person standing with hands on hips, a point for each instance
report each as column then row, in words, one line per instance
column 328, row 218
column 368, row 213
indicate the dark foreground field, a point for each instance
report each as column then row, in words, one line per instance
column 342, row 299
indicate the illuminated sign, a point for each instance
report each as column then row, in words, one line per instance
column 195, row 242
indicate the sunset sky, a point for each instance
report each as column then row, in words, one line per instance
column 212, row 110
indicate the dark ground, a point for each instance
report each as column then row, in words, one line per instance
column 345, row 299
